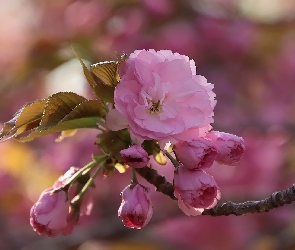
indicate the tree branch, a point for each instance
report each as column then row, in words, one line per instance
column 159, row 181
column 277, row 199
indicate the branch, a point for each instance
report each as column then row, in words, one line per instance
column 159, row 181
column 277, row 199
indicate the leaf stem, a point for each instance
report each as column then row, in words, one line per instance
column 88, row 184
column 97, row 159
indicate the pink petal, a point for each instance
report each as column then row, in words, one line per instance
column 115, row 121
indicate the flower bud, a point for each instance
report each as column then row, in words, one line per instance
column 197, row 154
column 135, row 156
column 136, row 208
column 49, row 214
column 195, row 190
column 230, row 147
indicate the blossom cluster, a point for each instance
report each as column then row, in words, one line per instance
column 161, row 98
column 160, row 107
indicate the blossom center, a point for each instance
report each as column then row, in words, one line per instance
column 155, row 108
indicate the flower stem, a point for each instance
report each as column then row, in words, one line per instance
column 77, row 200
column 83, row 171
column 174, row 161
column 88, row 184
column 134, row 178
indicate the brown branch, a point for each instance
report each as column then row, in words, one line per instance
column 159, row 181
column 277, row 199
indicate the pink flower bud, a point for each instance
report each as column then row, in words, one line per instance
column 49, row 214
column 136, row 208
column 135, row 156
column 197, row 154
column 230, row 147
column 195, row 190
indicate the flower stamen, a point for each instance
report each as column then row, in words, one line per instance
column 155, row 108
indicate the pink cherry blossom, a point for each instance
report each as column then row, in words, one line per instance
column 195, row 190
column 161, row 97
column 135, row 156
column 49, row 214
column 230, row 147
column 197, row 154
column 136, row 208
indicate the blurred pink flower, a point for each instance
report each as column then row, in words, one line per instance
column 230, row 147
column 84, row 16
column 235, row 38
column 49, row 214
column 189, row 44
column 197, row 154
column 135, row 156
column 161, row 96
column 160, row 8
column 136, row 208
column 126, row 21
column 195, row 190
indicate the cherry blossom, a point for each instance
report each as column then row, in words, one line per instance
column 136, row 208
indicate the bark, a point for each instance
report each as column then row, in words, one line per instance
column 277, row 199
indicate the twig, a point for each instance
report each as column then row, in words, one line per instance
column 159, row 181
column 277, row 199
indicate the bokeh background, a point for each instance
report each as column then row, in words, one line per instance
column 246, row 48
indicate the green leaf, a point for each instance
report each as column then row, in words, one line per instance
column 84, row 115
column 112, row 142
column 58, row 106
column 60, row 112
column 30, row 113
column 89, row 108
column 26, row 118
column 72, row 124
column 89, row 122
column 103, row 92
column 99, row 158
column 107, row 72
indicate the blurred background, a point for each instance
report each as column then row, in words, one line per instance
column 246, row 48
